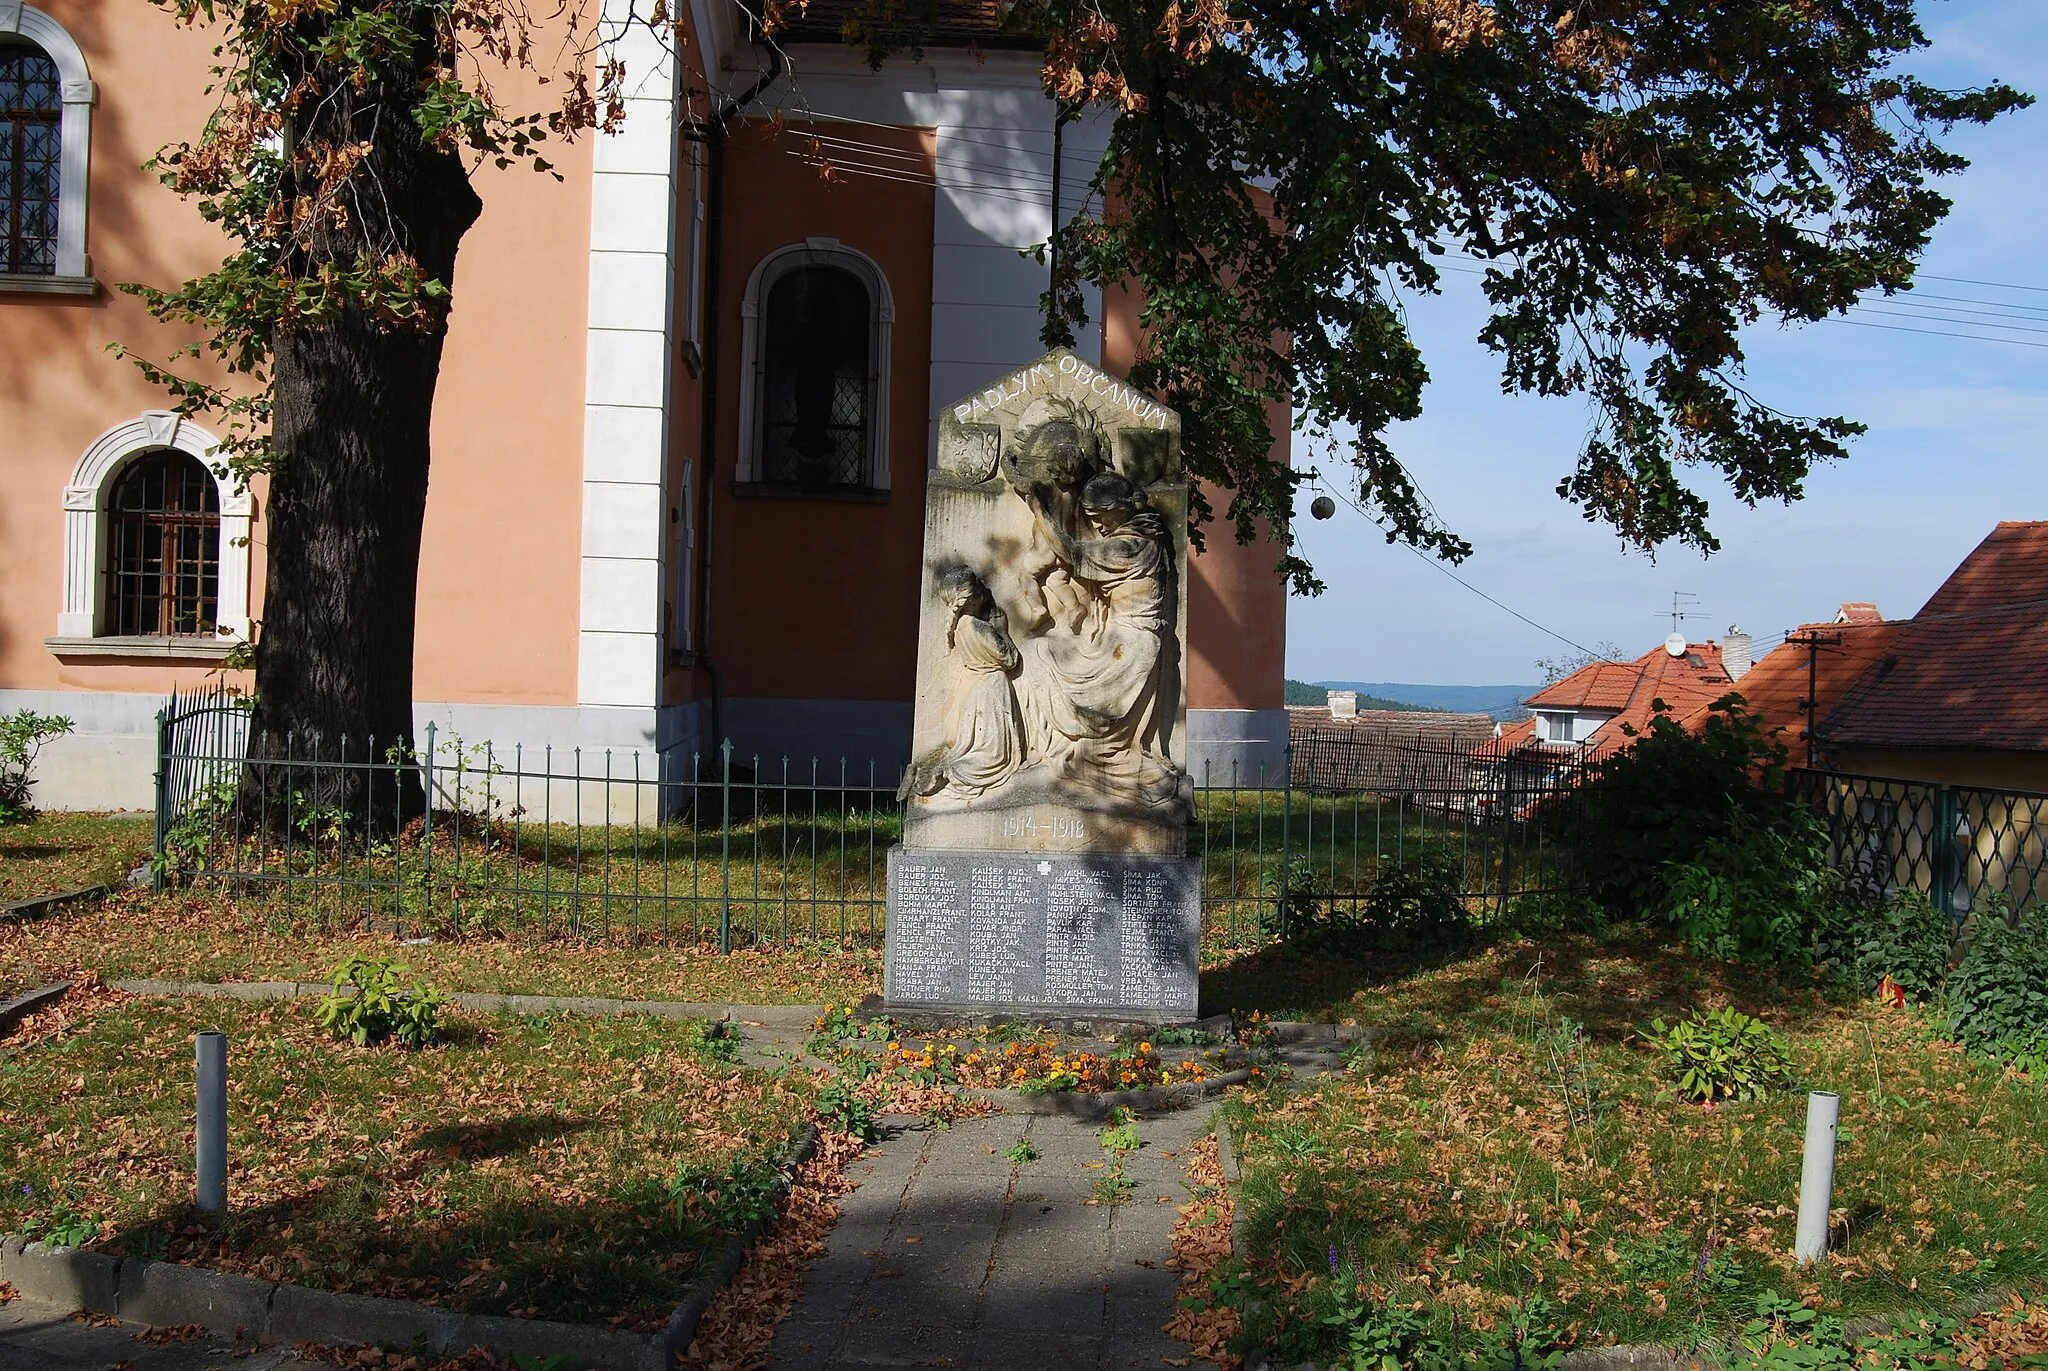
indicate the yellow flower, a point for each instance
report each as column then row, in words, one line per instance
column 1144, row 1047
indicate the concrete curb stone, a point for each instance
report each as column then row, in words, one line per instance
column 62, row 1275
column 298, row 1315
column 165, row 1293
column 23, row 1005
column 764, row 1015
column 36, row 906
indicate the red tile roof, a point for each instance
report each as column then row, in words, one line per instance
column 1630, row 690
column 1858, row 612
column 1775, row 688
column 1968, row 672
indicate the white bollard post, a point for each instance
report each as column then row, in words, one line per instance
column 1817, row 1176
column 210, row 1059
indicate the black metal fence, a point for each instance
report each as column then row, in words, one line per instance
column 734, row 849
column 1957, row 845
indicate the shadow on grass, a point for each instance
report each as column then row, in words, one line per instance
column 1611, row 983
column 533, row 1247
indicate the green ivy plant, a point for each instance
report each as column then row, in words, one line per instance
column 1723, row 1054
column 371, row 1004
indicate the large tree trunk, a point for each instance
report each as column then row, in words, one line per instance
column 354, row 400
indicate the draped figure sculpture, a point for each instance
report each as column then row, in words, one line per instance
column 1099, row 688
column 986, row 744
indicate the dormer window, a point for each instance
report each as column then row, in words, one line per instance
column 1558, row 726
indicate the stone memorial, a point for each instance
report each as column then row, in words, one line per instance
column 1046, row 804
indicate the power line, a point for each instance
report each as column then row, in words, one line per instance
column 1431, row 561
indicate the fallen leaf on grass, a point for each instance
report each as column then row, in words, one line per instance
column 170, row 1333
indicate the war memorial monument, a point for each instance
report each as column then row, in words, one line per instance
column 1041, row 872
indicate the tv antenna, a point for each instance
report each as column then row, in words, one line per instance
column 1682, row 608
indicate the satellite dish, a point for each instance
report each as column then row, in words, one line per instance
column 1675, row 645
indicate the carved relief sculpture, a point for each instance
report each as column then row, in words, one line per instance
column 1050, row 702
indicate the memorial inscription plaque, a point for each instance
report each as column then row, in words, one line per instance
column 1046, row 805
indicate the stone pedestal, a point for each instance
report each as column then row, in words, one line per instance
column 1092, row 936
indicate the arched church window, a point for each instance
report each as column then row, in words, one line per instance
column 814, row 407
column 816, row 392
column 31, row 160
column 163, row 532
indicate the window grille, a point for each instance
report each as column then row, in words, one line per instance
column 816, row 393
column 31, row 151
column 163, row 526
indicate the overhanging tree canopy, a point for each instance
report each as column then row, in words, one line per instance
column 1642, row 177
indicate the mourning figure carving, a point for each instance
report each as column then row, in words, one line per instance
column 1082, row 704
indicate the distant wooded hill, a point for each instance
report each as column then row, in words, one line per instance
column 1499, row 701
column 1302, row 693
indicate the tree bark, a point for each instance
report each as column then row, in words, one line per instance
column 354, row 399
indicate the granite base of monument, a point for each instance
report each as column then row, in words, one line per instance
column 1111, row 937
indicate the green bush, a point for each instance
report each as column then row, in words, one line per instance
column 22, row 735
column 1997, row 997
column 371, row 1004
column 1401, row 909
column 1723, row 1054
column 1756, row 892
column 1906, row 941
column 1663, row 798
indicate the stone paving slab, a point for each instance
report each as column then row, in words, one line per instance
column 951, row 1255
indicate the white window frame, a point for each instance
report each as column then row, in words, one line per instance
column 74, row 132
column 814, row 252
column 80, row 626
column 1551, row 718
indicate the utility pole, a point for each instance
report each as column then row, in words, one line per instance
column 1815, row 640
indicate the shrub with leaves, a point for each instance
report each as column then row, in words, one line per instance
column 1997, row 996
column 1905, row 941
column 22, row 735
column 1756, row 892
column 1723, row 1054
column 1401, row 909
column 371, row 1004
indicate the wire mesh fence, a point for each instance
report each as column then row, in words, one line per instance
column 1957, row 845
column 725, row 848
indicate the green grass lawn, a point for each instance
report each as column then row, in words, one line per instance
column 65, row 851
column 555, row 1167
column 1515, row 1138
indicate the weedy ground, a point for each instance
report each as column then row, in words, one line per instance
column 553, row 1167
column 1513, row 1136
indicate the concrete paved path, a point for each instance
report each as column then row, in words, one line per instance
column 42, row 1337
column 951, row 1255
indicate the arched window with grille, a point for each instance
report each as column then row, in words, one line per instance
column 815, row 409
column 163, row 548
column 31, row 160
column 46, row 98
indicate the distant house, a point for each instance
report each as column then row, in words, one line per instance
column 1589, row 714
column 1337, row 746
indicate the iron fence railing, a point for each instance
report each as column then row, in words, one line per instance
column 1957, row 845
column 727, row 848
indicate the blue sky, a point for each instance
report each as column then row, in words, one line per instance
column 1958, row 429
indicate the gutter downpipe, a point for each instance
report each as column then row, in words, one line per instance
column 714, row 134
